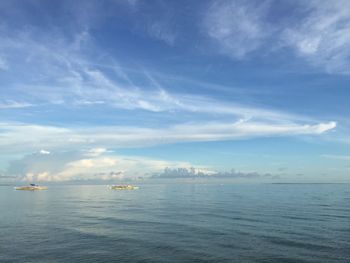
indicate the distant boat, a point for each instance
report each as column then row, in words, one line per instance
column 124, row 187
column 31, row 187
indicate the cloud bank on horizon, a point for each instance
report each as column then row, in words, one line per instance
column 79, row 77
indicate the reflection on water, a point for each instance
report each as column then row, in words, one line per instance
column 177, row 223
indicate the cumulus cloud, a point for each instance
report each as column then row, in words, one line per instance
column 39, row 177
column 75, row 166
column 63, row 166
column 193, row 172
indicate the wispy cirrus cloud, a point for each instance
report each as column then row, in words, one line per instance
column 14, row 105
column 337, row 157
column 77, row 78
column 323, row 36
column 63, row 73
column 317, row 31
column 162, row 31
column 239, row 27
column 44, row 152
column 3, row 64
column 49, row 137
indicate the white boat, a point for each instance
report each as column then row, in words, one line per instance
column 31, row 187
column 124, row 187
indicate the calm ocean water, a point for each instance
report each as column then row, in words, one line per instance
column 177, row 223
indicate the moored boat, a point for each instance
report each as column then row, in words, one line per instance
column 31, row 187
column 124, row 187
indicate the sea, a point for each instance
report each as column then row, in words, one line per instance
column 177, row 222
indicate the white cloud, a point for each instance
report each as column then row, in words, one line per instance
column 206, row 173
column 95, row 152
column 320, row 34
column 78, row 78
column 14, row 105
column 11, row 135
column 103, row 167
column 3, row 64
column 39, row 177
column 102, row 89
column 108, row 167
column 237, row 26
column 133, row 2
column 74, row 80
column 44, row 152
column 323, row 36
column 338, row 157
column 162, row 31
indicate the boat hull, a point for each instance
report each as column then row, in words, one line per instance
column 31, row 188
column 123, row 187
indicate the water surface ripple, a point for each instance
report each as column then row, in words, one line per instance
column 177, row 223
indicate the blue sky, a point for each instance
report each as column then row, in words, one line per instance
column 118, row 89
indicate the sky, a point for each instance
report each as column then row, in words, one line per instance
column 106, row 90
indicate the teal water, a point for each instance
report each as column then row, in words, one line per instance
column 177, row 223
